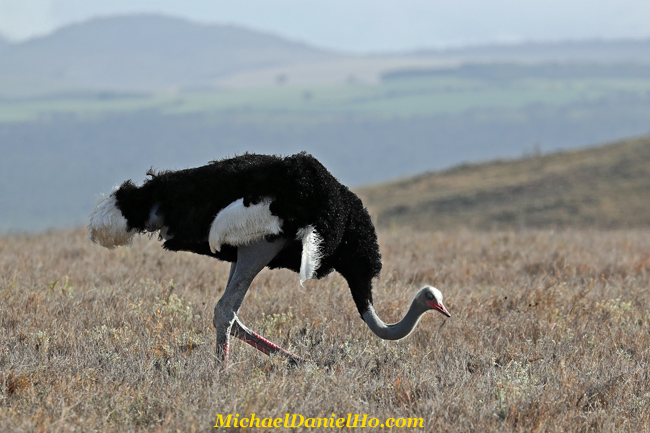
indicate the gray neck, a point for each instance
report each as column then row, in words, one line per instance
column 397, row 330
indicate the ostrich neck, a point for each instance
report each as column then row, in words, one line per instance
column 397, row 330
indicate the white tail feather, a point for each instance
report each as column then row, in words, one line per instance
column 108, row 227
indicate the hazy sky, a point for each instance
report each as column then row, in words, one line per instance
column 363, row 25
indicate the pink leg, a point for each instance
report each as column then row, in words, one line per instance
column 261, row 343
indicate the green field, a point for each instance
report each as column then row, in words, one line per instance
column 65, row 147
column 404, row 97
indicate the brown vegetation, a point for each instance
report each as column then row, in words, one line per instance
column 603, row 187
column 550, row 332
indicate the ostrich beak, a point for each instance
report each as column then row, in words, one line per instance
column 439, row 307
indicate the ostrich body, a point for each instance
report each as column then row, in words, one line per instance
column 259, row 211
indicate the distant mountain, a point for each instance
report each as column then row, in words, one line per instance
column 153, row 52
column 600, row 51
column 603, row 187
column 148, row 52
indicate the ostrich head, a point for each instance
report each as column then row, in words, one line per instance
column 431, row 299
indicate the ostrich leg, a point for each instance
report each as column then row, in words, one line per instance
column 257, row 341
column 260, row 343
column 223, row 336
column 251, row 259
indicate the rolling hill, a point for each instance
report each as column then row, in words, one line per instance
column 146, row 52
column 602, row 187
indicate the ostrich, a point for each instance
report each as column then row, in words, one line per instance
column 258, row 211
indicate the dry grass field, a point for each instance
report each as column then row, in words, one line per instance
column 550, row 332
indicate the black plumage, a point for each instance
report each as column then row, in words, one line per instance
column 303, row 193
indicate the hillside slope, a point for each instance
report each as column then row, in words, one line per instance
column 148, row 52
column 605, row 187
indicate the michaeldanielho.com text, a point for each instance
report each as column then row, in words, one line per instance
column 297, row 420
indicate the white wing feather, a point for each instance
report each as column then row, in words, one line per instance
column 237, row 224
